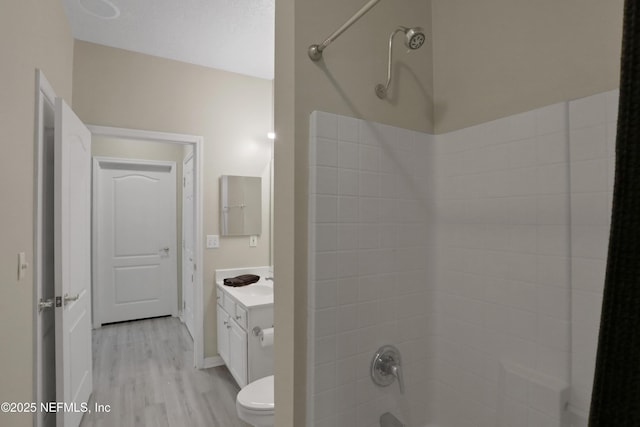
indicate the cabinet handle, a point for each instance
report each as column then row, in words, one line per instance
column 238, row 317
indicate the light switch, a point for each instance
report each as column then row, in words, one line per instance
column 253, row 241
column 213, row 241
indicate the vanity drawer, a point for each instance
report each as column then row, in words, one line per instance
column 229, row 305
column 220, row 297
column 241, row 316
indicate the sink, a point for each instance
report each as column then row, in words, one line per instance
column 255, row 290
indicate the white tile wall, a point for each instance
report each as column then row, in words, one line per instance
column 524, row 203
column 529, row 399
column 504, row 288
column 471, row 251
column 370, row 231
column 592, row 129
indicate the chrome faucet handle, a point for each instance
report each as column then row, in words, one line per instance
column 396, row 371
column 386, row 366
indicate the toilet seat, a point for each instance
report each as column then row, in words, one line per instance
column 257, row 396
column 255, row 402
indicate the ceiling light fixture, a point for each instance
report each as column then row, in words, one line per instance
column 102, row 9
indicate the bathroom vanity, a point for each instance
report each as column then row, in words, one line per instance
column 243, row 313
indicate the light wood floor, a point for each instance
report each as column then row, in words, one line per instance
column 144, row 371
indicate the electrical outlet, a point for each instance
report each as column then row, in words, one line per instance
column 213, row 241
column 253, row 241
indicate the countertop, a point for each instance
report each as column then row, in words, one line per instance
column 254, row 295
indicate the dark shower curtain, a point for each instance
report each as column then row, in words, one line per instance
column 616, row 390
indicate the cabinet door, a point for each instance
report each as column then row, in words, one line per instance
column 223, row 335
column 238, row 353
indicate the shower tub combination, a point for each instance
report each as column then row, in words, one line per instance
column 478, row 254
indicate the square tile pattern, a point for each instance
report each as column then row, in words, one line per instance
column 371, row 237
column 480, row 253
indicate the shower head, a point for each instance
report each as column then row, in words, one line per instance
column 414, row 37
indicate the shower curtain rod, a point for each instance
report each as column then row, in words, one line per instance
column 315, row 50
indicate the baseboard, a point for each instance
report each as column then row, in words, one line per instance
column 212, row 362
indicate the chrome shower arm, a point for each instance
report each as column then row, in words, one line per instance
column 414, row 39
column 381, row 91
column 315, row 50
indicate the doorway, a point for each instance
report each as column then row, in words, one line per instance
column 186, row 145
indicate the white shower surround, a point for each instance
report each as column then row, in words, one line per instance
column 503, row 289
column 592, row 126
column 508, row 255
column 370, row 237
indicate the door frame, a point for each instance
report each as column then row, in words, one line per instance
column 97, row 161
column 197, row 142
column 189, row 157
column 45, row 99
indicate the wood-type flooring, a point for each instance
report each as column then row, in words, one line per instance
column 144, row 371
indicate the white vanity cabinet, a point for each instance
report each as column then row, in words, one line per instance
column 238, row 345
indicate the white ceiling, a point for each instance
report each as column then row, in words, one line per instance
column 231, row 35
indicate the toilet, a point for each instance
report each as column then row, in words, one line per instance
column 254, row 402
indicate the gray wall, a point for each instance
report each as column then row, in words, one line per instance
column 494, row 58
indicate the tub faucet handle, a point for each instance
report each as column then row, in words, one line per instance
column 396, row 371
column 386, row 367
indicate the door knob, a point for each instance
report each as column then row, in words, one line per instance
column 43, row 304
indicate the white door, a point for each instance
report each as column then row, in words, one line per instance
column 135, row 239
column 72, row 248
column 188, row 248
